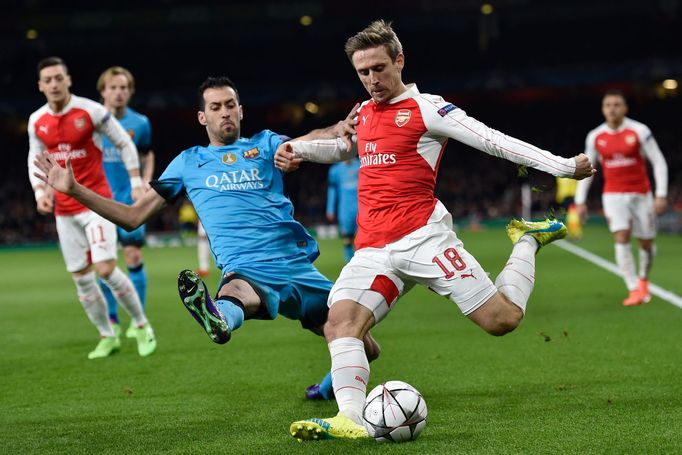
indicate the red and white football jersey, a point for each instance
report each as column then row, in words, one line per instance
column 622, row 154
column 400, row 144
column 75, row 133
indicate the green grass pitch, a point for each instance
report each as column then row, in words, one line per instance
column 582, row 374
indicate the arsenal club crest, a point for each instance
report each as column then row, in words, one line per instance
column 229, row 158
column 403, row 117
column 79, row 123
column 630, row 139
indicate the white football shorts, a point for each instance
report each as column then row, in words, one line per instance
column 633, row 211
column 432, row 256
column 85, row 238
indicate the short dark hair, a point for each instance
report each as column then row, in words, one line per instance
column 51, row 61
column 215, row 82
column 615, row 92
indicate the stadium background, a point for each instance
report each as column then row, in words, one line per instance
column 532, row 69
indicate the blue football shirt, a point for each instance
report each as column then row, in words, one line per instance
column 238, row 194
column 140, row 131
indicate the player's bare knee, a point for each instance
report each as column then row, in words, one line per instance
column 105, row 268
column 505, row 322
column 133, row 256
column 506, row 319
column 347, row 319
column 242, row 291
column 498, row 315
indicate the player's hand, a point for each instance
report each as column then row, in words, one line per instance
column 331, row 217
column 346, row 127
column 137, row 193
column 661, row 205
column 45, row 204
column 59, row 178
column 285, row 160
column 581, row 210
column 583, row 167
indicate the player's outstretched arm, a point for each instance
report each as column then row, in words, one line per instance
column 127, row 216
column 290, row 154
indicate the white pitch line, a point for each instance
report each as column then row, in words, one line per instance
column 656, row 290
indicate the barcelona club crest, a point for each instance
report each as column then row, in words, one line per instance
column 403, row 117
column 229, row 158
column 251, row 154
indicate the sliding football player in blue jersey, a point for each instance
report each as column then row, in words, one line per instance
column 342, row 201
column 116, row 85
column 264, row 254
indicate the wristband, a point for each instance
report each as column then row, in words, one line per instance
column 135, row 182
column 39, row 193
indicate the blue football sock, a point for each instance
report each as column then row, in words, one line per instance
column 138, row 275
column 112, row 304
column 234, row 314
column 347, row 252
column 326, row 389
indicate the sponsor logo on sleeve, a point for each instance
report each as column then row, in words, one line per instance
column 131, row 133
column 252, row 153
column 402, row 117
column 443, row 111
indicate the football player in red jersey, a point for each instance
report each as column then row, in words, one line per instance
column 70, row 127
column 405, row 235
column 622, row 145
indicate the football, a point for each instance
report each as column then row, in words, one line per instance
column 394, row 412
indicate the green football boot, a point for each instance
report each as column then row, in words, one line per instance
column 105, row 347
column 146, row 341
column 544, row 232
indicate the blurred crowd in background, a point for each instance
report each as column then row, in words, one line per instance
column 535, row 70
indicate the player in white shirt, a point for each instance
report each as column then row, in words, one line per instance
column 622, row 145
column 405, row 234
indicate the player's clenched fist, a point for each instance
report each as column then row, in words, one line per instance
column 583, row 167
column 285, row 159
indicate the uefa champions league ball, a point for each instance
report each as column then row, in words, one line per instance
column 394, row 411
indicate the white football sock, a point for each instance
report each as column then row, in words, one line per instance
column 350, row 373
column 126, row 295
column 517, row 278
column 94, row 304
column 626, row 265
column 646, row 259
column 204, row 252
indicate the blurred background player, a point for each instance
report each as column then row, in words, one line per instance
column 203, row 251
column 69, row 127
column 190, row 226
column 116, row 86
column 342, row 201
column 622, row 144
column 565, row 206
